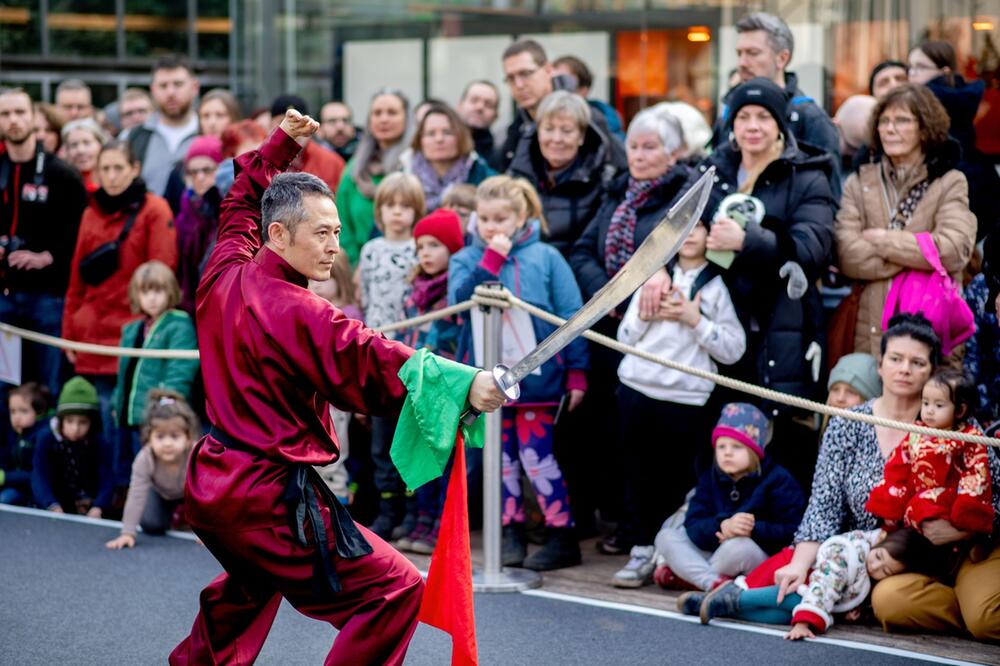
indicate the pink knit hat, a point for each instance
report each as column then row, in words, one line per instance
column 205, row 146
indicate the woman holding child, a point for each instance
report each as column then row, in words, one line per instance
column 852, row 462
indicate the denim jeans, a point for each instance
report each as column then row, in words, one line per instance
column 41, row 313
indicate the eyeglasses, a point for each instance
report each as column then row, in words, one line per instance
column 203, row 171
column 521, row 75
column 896, row 123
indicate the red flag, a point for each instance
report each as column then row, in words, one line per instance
column 447, row 602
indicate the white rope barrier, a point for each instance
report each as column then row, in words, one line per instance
column 502, row 298
column 743, row 387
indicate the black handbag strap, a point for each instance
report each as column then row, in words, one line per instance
column 134, row 210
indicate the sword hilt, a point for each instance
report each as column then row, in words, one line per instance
column 501, row 377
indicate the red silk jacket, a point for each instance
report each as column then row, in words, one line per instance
column 274, row 356
column 928, row 478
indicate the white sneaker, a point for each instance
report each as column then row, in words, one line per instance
column 639, row 570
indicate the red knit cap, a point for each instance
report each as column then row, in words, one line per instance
column 205, row 146
column 444, row 225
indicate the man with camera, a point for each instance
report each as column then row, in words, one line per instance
column 43, row 200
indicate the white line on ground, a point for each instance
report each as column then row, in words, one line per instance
column 99, row 522
column 854, row 645
column 557, row 596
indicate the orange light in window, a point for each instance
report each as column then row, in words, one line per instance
column 699, row 33
column 982, row 25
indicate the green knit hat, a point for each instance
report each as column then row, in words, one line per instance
column 77, row 396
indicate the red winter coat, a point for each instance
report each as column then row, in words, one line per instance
column 97, row 313
column 928, row 478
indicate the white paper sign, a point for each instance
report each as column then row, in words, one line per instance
column 517, row 334
column 10, row 359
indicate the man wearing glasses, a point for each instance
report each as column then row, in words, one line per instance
column 528, row 74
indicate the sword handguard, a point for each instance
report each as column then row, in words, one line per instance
column 500, row 377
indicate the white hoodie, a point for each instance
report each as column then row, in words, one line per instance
column 717, row 336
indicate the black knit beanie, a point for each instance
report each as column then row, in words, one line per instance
column 761, row 92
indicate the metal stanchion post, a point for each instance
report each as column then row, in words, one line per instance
column 493, row 577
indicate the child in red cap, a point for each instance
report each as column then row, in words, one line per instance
column 438, row 236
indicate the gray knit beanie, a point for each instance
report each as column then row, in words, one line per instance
column 860, row 372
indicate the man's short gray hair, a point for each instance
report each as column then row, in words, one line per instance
column 563, row 102
column 779, row 35
column 282, row 200
column 662, row 123
column 72, row 84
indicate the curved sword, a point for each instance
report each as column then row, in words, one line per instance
column 659, row 247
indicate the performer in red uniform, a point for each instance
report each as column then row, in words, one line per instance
column 273, row 356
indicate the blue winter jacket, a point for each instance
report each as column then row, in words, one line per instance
column 16, row 458
column 772, row 495
column 537, row 273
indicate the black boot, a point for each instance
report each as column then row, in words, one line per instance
column 390, row 515
column 514, row 549
column 409, row 521
column 561, row 550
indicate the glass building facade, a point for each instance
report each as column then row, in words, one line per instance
column 641, row 51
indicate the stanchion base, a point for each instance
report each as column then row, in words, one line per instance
column 509, row 579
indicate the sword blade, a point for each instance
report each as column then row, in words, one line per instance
column 659, row 247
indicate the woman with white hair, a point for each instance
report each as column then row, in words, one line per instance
column 569, row 161
column 632, row 205
column 83, row 139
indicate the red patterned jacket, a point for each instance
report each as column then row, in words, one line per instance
column 928, row 478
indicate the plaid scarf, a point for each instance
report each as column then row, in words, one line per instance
column 620, row 242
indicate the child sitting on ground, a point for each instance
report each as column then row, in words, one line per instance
column 157, row 487
column 438, row 237
column 839, row 582
column 932, row 478
column 700, row 329
column 72, row 466
column 29, row 406
column 744, row 508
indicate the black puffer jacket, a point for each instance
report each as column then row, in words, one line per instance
column 961, row 99
column 797, row 226
column 569, row 203
column 587, row 256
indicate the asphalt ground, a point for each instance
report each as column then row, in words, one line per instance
column 64, row 598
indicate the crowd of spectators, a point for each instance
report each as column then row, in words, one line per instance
column 813, row 225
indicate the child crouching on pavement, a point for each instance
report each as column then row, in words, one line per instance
column 744, row 508
column 438, row 236
column 839, row 582
column 156, row 490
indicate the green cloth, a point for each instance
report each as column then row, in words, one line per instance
column 428, row 423
column 77, row 395
column 357, row 214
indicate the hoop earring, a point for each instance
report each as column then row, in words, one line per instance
column 732, row 143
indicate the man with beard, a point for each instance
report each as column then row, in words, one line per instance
column 478, row 110
column 42, row 201
column 337, row 128
column 164, row 138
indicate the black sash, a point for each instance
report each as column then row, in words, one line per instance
column 303, row 494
